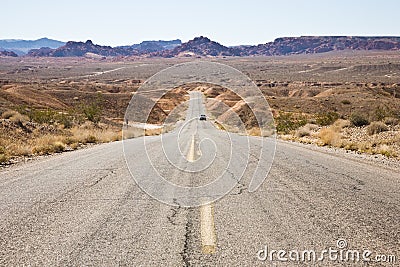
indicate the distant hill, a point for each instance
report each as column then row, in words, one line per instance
column 199, row 46
column 80, row 49
column 203, row 47
column 321, row 44
column 21, row 47
column 7, row 53
column 154, row 46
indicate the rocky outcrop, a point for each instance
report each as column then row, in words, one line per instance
column 8, row 54
column 321, row 44
column 80, row 49
column 199, row 46
column 203, row 46
column 146, row 47
column 21, row 47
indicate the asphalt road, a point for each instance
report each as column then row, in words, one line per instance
column 83, row 208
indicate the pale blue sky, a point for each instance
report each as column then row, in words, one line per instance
column 231, row 22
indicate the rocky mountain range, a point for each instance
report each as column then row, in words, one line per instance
column 203, row 46
column 21, row 47
column 7, row 54
column 80, row 49
column 154, row 46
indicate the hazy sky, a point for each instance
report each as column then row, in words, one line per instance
column 233, row 22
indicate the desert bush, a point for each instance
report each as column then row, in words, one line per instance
column 286, row 122
column 19, row 118
column 380, row 113
column 3, row 158
column 340, row 124
column 349, row 145
column 330, row 136
column 48, row 144
column 302, row 131
column 325, row 119
column 306, row 130
column 133, row 132
column 42, row 116
column 391, row 121
column 386, row 151
column 94, row 135
column 91, row 139
column 358, row 120
column 93, row 110
column 3, row 155
column 376, row 127
column 346, row 102
column 65, row 119
column 8, row 114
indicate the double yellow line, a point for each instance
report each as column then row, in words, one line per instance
column 207, row 225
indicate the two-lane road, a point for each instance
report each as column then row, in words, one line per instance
column 83, row 208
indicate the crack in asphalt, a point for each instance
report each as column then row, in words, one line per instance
column 102, row 177
column 188, row 241
column 175, row 211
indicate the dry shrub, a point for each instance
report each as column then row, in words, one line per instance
column 3, row 154
column 3, row 158
column 365, row 147
column 386, row 150
column 150, row 132
column 349, row 145
column 132, row 132
column 342, row 124
column 391, row 121
column 8, row 114
column 306, row 130
column 20, row 149
column 303, row 131
column 255, row 131
column 48, row 144
column 376, row 127
column 358, row 120
column 19, row 118
column 330, row 136
column 94, row 135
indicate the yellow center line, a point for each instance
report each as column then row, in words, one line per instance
column 207, row 229
column 207, row 226
column 191, row 154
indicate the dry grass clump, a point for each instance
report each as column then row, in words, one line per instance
column 8, row 114
column 132, row 132
column 330, row 136
column 3, row 155
column 44, row 142
column 340, row 124
column 306, row 130
column 150, row 132
column 48, row 144
column 94, row 135
column 14, row 116
column 376, row 127
column 19, row 118
column 391, row 121
column 255, row 131
column 386, row 151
